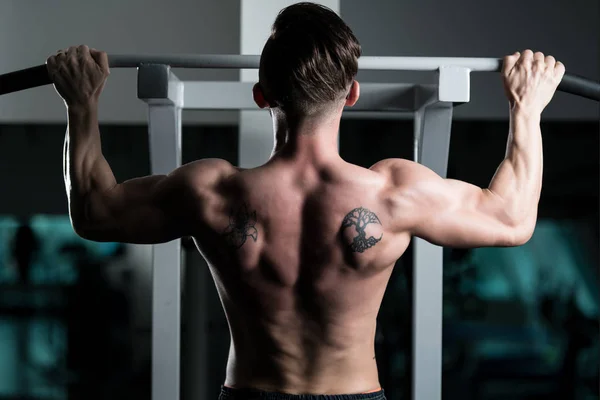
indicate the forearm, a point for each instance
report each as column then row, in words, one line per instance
column 85, row 168
column 518, row 180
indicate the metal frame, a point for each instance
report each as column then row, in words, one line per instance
column 163, row 92
column 432, row 106
column 236, row 61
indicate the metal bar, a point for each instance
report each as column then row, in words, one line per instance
column 162, row 91
column 238, row 96
column 38, row 76
column 432, row 126
column 164, row 125
column 432, row 137
column 236, row 61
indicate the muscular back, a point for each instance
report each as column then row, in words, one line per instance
column 301, row 257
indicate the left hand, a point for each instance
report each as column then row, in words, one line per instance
column 79, row 74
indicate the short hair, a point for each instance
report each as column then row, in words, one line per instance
column 309, row 60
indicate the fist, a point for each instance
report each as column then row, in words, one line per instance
column 79, row 74
column 530, row 80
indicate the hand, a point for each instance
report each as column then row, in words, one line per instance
column 79, row 74
column 530, row 80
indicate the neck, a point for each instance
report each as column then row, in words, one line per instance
column 310, row 138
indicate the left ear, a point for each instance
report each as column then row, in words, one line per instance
column 353, row 95
column 259, row 96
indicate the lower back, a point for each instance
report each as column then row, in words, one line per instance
column 301, row 355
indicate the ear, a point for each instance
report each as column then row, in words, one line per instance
column 353, row 95
column 259, row 97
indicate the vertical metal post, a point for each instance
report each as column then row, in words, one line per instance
column 432, row 126
column 164, row 95
column 432, row 143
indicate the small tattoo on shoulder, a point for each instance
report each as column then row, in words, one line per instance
column 359, row 219
column 242, row 223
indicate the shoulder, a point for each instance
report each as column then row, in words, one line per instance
column 208, row 169
column 401, row 171
column 203, row 174
column 391, row 164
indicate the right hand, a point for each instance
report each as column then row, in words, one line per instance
column 79, row 74
column 530, row 80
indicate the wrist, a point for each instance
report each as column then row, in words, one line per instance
column 83, row 109
column 527, row 116
column 83, row 112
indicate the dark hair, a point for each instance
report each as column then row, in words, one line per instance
column 309, row 60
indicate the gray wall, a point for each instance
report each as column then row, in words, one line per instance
column 30, row 30
column 474, row 28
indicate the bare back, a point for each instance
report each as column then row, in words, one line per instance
column 301, row 257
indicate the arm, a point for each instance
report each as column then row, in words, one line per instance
column 152, row 209
column 454, row 213
column 449, row 212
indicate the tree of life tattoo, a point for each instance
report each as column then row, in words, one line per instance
column 359, row 218
column 241, row 226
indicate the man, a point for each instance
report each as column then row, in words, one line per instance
column 302, row 247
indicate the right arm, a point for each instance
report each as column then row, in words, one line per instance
column 457, row 214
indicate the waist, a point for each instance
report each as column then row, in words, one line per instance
column 331, row 378
column 233, row 391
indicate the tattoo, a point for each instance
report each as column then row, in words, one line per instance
column 359, row 218
column 241, row 226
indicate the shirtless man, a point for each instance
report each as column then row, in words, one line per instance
column 301, row 248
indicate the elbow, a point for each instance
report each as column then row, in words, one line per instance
column 80, row 228
column 90, row 232
column 87, row 222
column 522, row 233
column 84, row 228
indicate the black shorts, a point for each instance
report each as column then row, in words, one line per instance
column 228, row 393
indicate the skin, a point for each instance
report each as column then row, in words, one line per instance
column 300, row 278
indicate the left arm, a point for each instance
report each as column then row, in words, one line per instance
column 152, row 209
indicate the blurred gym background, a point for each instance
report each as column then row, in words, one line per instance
column 75, row 316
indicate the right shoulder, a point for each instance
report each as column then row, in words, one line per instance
column 400, row 171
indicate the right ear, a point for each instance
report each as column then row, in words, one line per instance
column 353, row 95
column 259, row 96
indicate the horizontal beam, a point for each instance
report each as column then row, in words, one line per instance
column 238, row 96
column 236, row 61
column 38, row 76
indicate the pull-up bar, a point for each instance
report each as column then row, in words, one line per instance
column 38, row 76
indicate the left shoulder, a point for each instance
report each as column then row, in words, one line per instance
column 207, row 167
column 207, row 172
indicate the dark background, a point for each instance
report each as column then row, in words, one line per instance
column 516, row 323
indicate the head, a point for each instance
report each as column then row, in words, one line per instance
column 308, row 65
